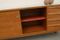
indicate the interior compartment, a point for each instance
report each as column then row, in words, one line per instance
column 34, row 26
column 34, row 12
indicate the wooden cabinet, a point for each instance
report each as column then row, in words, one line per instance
column 29, row 21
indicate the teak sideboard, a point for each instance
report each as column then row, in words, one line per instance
column 16, row 23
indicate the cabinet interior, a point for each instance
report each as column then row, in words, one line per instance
column 33, row 20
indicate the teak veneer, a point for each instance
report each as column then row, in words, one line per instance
column 16, row 23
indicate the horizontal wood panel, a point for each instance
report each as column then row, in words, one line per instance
column 53, row 16
column 53, row 9
column 52, row 28
column 52, row 22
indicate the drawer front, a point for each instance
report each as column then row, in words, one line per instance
column 53, row 16
column 53, row 22
column 52, row 28
column 53, row 9
column 9, row 24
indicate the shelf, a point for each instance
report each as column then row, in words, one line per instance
column 33, row 19
column 36, row 33
column 34, row 29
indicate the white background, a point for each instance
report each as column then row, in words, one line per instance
column 11, row 4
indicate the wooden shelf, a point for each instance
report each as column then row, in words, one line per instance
column 33, row 19
column 33, row 29
column 35, row 33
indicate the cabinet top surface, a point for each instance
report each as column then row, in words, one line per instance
column 20, row 4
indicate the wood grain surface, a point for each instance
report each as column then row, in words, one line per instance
column 10, row 25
